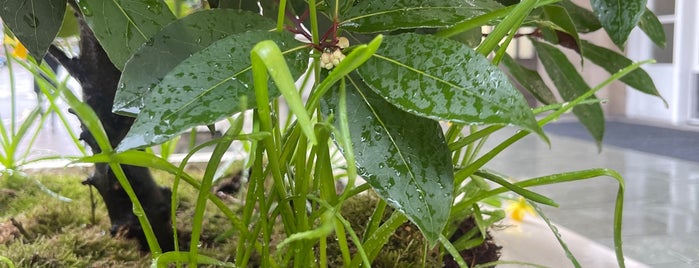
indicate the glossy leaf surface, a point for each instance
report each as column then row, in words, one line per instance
column 585, row 21
column 174, row 43
column 612, row 62
column 561, row 20
column 618, row 17
column 35, row 23
column 530, row 80
column 650, row 25
column 443, row 79
column 404, row 157
column 571, row 85
column 388, row 15
column 122, row 26
column 206, row 87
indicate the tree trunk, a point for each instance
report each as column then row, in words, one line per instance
column 99, row 78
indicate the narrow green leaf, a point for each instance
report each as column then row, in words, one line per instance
column 268, row 54
column 163, row 260
column 650, row 25
column 34, row 23
column 206, row 87
column 174, row 43
column 571, row 85
column 618, row 17
column 443, row 79
column 530, row 80
column 560, row 18
column 122, row 26
column 585, row 20
column 405, row 158
column 557, row 234
column 612, row 62
column 359, row 55
column 389, row 15
column 269, row 7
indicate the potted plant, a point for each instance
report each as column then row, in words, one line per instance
column 407, row 91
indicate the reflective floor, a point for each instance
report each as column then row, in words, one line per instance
column 661, row 215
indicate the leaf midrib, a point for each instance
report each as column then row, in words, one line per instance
column 412, row 176
column 403, row 9
column 424, row 73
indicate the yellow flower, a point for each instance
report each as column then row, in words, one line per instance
column 19, row 51
column 518, row 209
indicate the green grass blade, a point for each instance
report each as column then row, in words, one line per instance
column 453, row 251
column 268, row 53
column 533, row 196
column 556, row 233
column 90, row 120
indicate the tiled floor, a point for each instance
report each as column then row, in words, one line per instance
column 661, row 206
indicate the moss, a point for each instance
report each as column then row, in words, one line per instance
column 406, row 248
column 62, row 234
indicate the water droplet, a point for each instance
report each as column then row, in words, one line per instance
column 85, row 8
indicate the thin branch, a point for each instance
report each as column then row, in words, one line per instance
column 72, row 65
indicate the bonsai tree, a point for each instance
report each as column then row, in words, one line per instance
column 407, row 91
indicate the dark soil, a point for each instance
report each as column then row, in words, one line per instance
column 486, row 252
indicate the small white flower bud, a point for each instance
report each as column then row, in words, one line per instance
column 325, row 58
column 337, row 53
column 342, row 42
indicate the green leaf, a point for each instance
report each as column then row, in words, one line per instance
column 571, row 85
column 69, row 26
column 585, row 20
column 172, row 45
column 34, row 23
column 206, row 87
column 561, row 20
column 618, row 17
column 122, row 26
column 530, row 80
column 269, row 7
column 405, row 158
column 650, row 25
column 612, row 62
column 389, row 15
column 443, row 79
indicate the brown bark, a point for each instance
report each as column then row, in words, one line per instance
column 99, row 78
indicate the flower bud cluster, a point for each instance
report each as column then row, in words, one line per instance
column 331, row 58
column 328, row 60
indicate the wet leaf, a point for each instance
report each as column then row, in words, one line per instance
column 619, row 17
column 585, row 20
column 389, row 15
column 612, row 62
column 172, row 45
column 269, row 7
column 122, row 26
column 650, row 25
column 205, row 88
column 404, row 157
column 34, row 23
column 571, row 85
column 530, row 80
column 443, row 79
